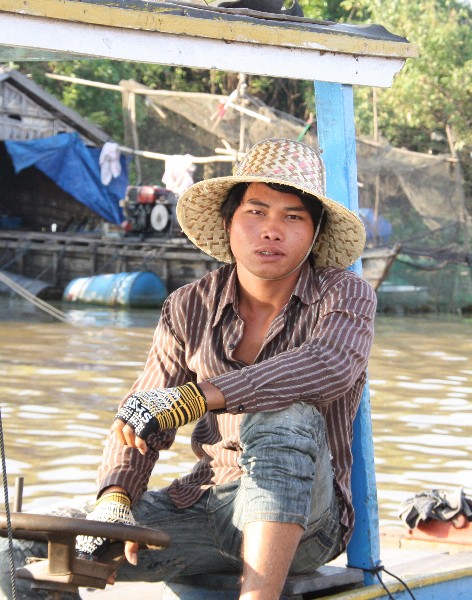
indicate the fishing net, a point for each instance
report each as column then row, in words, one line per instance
column 417, row 200
column 405, row 197
column 198, row 123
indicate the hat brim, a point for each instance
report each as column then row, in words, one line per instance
column 198, row 212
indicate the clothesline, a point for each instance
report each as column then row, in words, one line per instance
column 195, row 159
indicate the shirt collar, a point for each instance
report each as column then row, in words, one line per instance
column 305, row 289
column 228, row 295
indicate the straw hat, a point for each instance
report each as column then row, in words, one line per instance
column 272, row 161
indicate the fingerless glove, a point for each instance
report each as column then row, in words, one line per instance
column 114, row 507
column 163, row 408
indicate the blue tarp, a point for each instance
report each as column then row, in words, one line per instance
column 75, row 168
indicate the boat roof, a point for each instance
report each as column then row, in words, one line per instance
column 201, row 36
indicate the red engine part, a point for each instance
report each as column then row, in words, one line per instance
column 145, row 194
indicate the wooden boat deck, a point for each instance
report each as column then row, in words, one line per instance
column 411, row 566
column 415, row 565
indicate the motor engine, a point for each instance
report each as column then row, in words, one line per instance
column 150, row 209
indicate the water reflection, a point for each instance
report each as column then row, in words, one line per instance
column 60, row 386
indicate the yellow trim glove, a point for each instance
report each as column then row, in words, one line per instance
column 163, row 408
column 114, row 507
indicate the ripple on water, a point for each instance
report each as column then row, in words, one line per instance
column 16, row 467
column 419, row 385
column 67, row 474
column 423, row 444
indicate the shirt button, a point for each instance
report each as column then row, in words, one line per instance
column 232, row 346
column 241, row 408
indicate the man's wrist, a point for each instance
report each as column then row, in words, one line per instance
column 214, row 397
column 112, row 488
column 119, row 497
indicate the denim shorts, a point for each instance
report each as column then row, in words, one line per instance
column 286, row 477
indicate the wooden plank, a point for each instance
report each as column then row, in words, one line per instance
column 324, row 578
column 38, row 99
column 144, row 33
column 455, row 585
column 426, row 562
column 64, row 257
column 228, row 26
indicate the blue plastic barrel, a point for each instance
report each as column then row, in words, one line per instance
column 140, row 289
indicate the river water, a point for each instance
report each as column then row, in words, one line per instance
column 60, row 385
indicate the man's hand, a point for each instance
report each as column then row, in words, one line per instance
column 164, row 408
column 112, row 507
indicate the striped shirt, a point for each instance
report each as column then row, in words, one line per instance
column 315, row 350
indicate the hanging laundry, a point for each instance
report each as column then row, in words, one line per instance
column 178, row 174
column 110, row 166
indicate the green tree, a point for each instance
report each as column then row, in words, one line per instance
column 432, row 93
column 326, row 10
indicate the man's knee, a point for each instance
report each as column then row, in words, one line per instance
column 287, row 442
column 284, row 458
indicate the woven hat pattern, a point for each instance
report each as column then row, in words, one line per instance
column 291, row 160
column 280, row 161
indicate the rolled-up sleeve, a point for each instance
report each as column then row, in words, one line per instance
column 323, row 368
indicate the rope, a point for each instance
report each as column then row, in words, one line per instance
column 114, row 257
column 376, row 571
column 21, row 291
column 17, row 256
column 50, row 267
column 400, row 580
column 7, row 512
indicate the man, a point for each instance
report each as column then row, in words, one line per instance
column 268, row 356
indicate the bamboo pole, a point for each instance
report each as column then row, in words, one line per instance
column 138, row 88
column 195, row 159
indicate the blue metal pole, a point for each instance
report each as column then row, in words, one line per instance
column 337, row 141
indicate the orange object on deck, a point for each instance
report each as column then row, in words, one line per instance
column 458, row 531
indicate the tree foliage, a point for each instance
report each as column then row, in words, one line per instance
column 432, row 92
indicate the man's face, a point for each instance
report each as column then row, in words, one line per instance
column 270, row 232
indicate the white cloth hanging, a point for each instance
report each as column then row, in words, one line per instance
column 110, row 165
column 178, row 174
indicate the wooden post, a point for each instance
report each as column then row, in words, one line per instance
column 128, row 98
column 55, row 266
column 93, row 259
column 375, row 115
column 337, row 141
column 18, row 500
